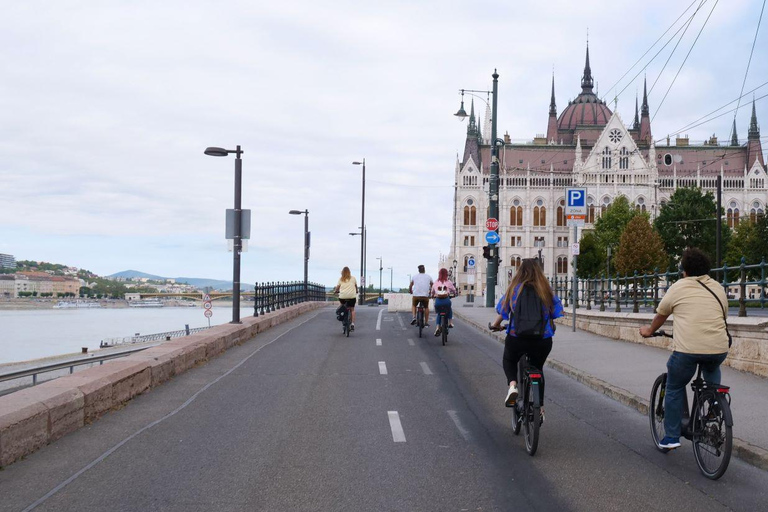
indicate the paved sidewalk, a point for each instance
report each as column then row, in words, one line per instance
column 626, row 371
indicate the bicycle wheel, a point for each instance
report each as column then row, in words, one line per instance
column 517, row 419
column 712, row 438
column 656, row 411
column 444, row 328
column 420, row 321
column 531, row 421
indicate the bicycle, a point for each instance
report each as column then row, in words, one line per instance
column 526, row 413
column 343, row 315
column 420, row 317
column 442, row 321
column 708, row 424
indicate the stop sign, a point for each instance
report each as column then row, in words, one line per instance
column 492, row 224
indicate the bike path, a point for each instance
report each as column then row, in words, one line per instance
column 626, row 371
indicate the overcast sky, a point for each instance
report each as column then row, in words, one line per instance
column 106, row 108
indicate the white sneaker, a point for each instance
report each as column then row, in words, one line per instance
column 511, row 396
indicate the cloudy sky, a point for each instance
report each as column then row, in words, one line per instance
column 106, row 108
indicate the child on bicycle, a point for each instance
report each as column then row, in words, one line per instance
column 442, row 290
column 528, row 287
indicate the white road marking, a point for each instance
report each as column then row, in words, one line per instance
column 398, row 435
column 425, row 368
column 410, row 342
column 382, row 368
column 378, row 342
column 378, row 322
column 400, row 319
column 463, row 431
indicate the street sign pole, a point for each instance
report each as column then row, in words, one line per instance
column 575, row 212
column 574, row 293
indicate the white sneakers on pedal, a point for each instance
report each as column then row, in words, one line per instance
column 511, row 396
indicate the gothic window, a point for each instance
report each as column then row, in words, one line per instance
column 607, row 158
column 515, row 262
column 561, row 213
column 539, row 214
column 605, row 205
column 756, row 212
column 591, row 210
column 623, row 159
column 466, row 261
column 562, row 265
column 640, row 204
column 516, row 216
column 470, row 215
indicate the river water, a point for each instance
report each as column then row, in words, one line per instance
column 39, row 333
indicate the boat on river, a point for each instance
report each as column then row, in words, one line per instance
column 66, row 304
column 146, row 303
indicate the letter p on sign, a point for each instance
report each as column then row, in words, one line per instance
column 575, row 197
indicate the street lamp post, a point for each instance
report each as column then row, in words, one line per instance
column 455, row 277
column 493, row 189
column 306, row 249
column 362, row 239
column 391, row 272
column 238, row 235
column 364, row 243
column 381, row 267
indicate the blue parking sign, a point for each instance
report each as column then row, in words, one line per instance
column 576, row 201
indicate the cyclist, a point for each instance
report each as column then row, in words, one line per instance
column 531, row 280
column 442, row 290
column 419, row 288
column 700, row 335
column 347, row 290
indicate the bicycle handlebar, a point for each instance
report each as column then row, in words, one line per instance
column 661, row 333
column 496, row 329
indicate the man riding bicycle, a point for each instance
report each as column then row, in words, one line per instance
column 419, row 288
column 700, row 336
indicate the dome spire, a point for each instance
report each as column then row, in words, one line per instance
column 586, row 79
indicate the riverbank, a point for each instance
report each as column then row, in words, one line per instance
column 27, row 304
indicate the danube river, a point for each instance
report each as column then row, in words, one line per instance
column 38, row 333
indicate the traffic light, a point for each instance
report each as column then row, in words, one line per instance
column 486, row 252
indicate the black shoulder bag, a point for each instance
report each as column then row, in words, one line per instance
column 725, row 312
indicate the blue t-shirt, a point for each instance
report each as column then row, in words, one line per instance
column 557, row 312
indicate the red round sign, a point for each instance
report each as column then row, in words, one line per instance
column 492, row 224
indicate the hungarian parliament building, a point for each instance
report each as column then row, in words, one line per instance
column 587, row 146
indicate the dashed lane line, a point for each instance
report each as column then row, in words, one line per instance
column 410, row 342
column 382, row 368
column 425, row 368
column 378, row 321
column 398, row 435
column 378, row 342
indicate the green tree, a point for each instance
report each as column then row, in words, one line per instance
column 640, row 249
column 750, row 241
column 590, row 261
column 611, row 224
column 688, row 220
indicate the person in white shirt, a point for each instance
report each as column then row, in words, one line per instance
column 421, row 284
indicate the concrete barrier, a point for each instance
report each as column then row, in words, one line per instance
column 39, row 415
column 748, row 353
column 401, row 302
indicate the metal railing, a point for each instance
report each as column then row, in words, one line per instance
column 160, row 336
column 273, row 296
column 742, row 284
column 62, row 365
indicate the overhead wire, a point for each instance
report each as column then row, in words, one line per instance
column 746, row 72
column 685, row 60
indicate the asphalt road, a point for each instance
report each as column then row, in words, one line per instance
column 301, row 418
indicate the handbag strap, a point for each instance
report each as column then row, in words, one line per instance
column 725, row 312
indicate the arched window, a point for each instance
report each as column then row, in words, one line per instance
column 605, row 205
column 590, row 210
column 756, row 212
column 466, row 261
column 623, row 159
column 470, row 215
column 539, row 214
column 561, row 213
column 514, row 262
column 466, row 215
column 640, row 204
column 516, row 214
column 562, row 264
column 607, row 158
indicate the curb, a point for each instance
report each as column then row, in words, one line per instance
column 749, row 453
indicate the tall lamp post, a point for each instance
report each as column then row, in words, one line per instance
column 391, row 272
column 364, row 242
column 381, row 267
column 238, row 235
column 493, row 189
column 362, row 239
column 306, row 248
column 455, row 277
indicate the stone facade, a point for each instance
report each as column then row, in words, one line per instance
column 587, row 146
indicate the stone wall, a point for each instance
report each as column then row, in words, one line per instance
column 36, row 416
column 749, row 352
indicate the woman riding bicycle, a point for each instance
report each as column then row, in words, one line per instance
column 530, row 285
column 442, row 290
column 347, row 290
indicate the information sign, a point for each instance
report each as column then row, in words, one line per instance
column 575, row 249
column 471, row 262
column 576, row 201
column 492, row 237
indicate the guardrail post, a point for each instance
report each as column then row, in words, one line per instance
column 655, row 288
column 742, row 288
column 589, row 291
column 762, row 283
column 618, row 293
column 602, row 292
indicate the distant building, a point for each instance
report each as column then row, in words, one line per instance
column 7, row 261
column 588, row 146
column 7, row 286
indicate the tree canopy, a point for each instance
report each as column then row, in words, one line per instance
column 641, row 249
column 590, row 261
column 689, row 220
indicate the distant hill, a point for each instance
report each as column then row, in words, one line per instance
column 216, row 284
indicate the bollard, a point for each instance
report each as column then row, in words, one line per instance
column 84, row 350
column 186, row 328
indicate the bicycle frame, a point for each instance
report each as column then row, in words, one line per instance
column 701, row 389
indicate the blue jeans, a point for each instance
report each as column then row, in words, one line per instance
column 681, row 368
column 442, row 305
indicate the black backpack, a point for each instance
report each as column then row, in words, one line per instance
column 529, row 314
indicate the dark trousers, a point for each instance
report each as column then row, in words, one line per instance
column 537, row 351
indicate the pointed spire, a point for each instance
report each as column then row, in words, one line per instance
column 472, row 126
column 586, row 79
column 734, row 136
column 552, row 105
column 754, row 129
column 645, row 110
column 636, row 124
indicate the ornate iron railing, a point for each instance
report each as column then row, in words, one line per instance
column 273, row 296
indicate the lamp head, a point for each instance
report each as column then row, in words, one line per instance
column 357, row 163
column 213, row 151
column 295, row 212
